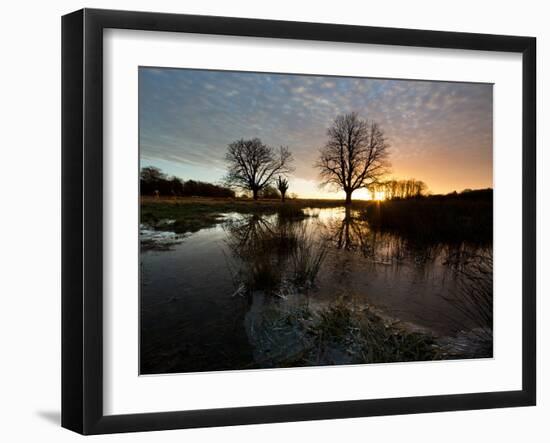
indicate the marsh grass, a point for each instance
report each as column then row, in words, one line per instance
column 336, row 334
column 192, row 214
column 185, row 218
column 307, row 258
column 261, row 274
column 274, row 253
column 429, row 220
column 193, row 223
column 368, row 338
column 272, row 250
column 289, row 211
column 473, row 299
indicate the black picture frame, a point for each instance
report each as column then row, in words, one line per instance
column 82, row 219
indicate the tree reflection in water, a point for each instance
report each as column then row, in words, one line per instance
column 318, row 287
column 275, row 261
column 274, row 254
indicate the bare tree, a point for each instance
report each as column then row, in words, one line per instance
column 252, row 165
column 420, row 188
column 269, row 192
column 402, row 189
column 151, row 174
column 355, row 155
column 282, row 186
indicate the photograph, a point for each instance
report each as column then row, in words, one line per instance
column 292, row 220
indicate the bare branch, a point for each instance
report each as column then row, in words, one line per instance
column 252, row 165
column 355, row 155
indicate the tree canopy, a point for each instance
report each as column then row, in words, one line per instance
column 252, row 165
column 153, row 181
column 355, row 155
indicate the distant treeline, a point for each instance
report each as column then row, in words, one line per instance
column 154, row 182
column 401, row 189
column 412, row 188
column 466, row 194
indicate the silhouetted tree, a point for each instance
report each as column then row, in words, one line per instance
column 355, row 155
column 269, row 192
column 201, row 189
column 282, row 186
column 154, row 182
column 176, row 186
column 151, row 174
column 401, row 189
column 252, row 165
column 420, row 188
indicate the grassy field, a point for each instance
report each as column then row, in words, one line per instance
column 431, row 219
column 194, row 213
column 240, row 204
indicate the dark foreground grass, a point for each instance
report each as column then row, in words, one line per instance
column 370, row 339
column 338, row 334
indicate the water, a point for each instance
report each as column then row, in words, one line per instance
column 247, row 292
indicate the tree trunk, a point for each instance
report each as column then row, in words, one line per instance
column 255, row 194
column 348, row 197
column 283, row 197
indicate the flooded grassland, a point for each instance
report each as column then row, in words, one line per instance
column 230, row 286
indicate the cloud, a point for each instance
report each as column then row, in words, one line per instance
column 190, row 116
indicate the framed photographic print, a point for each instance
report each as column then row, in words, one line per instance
column 269, row 221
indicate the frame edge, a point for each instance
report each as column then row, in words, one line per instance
column 72, row 221
column 529, row 220
column 82, row 217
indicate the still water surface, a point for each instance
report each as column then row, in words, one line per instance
column 202, row 307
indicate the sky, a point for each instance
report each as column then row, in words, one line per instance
column 439, row 132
